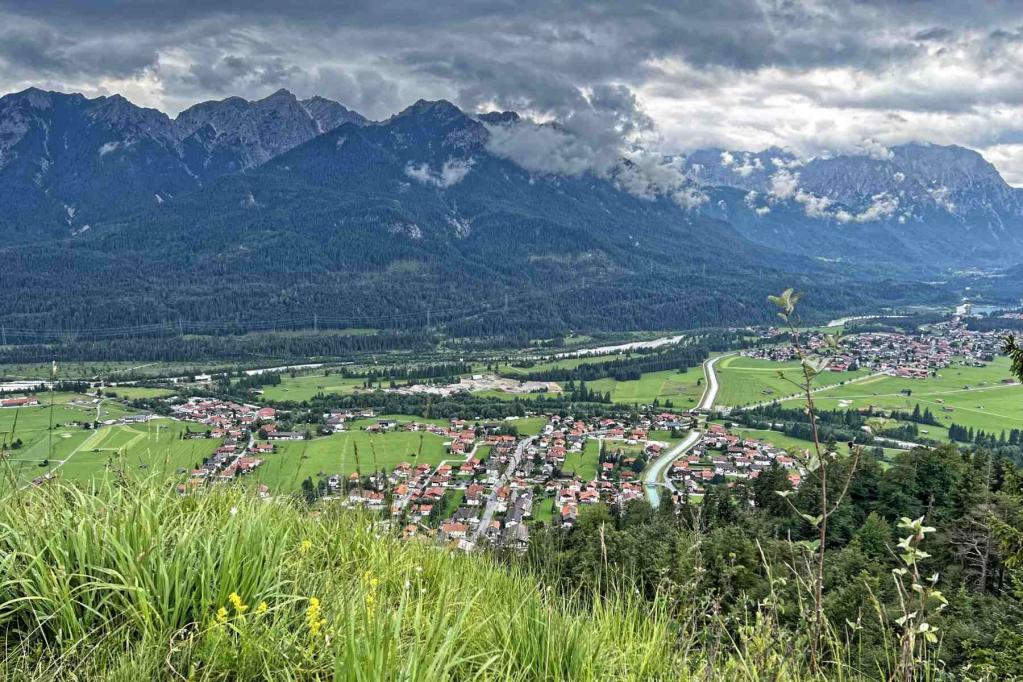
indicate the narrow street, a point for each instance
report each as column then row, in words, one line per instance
column 491, row 508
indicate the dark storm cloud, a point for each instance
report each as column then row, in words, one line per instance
column 790, row 72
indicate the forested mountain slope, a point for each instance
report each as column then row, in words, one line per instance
column 407, row 222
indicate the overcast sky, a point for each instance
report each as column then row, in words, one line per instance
column 810, row 75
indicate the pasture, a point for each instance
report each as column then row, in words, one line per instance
column 31, row 424
column 307, row 386
column 151, row 449
column 295, row 461
column 584, row 464
column 683, row 389
column 966, row 395
column 745, row 381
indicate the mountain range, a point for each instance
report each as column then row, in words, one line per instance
column 115, row 215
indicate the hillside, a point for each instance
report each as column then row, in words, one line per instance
column 410, row 222
column 136, row 583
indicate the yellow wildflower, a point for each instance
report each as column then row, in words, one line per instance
column 221, row 615
column 237, row 603
column 262, row 608
column 306, row 546
column 312, row 617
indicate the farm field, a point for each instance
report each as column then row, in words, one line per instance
column 969, row 396
column 584, row 464
column 297, row 460
column 683, row 389
column 561, row 363
column 32, row 423
column 134, row 392
column 528, row 426
column 745, row 381
column 151, row 449
column 307, row 386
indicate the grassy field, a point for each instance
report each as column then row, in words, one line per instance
column 744, row 381
column 683, row 389
column 584, row 464
column 976, row 396
column 782, row 440
column 31, row 425
column 133, row 392
column 306, row 386
column 153, row 448
column 543, row 510
column 528, row 426
column 294, row 461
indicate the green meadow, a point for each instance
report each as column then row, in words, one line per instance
column 135, row 392
column 584, row 464
column 683, row 389
column 307, row 386
column 295, row 461
column 966, row 395
column 745, row 381
column 154, row 448
column 31, row 425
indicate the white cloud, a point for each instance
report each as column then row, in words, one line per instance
column 451, row 172
column 689, row 197
column 602, row 152
column 881, row 206
column 784, row 184
column 940, row 195
column 813, row 205
column 749, row 164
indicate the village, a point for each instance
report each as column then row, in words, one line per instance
column 722, row 457
column 915, row 356
column 495, row 486
column 490, row 491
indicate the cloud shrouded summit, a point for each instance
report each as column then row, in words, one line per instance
column 811, row 76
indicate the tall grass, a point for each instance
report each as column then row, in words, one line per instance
column 125, row 581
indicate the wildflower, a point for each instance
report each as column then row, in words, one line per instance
column 371, row 583
column 221, row 615
column 262, row 608
column 237, row 603
column 234, row 510
column 312, row 617
column 306, row 546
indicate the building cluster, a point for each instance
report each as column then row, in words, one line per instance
column 25, row 401
column 914, row 356
column 495, row 486
column 236, row 426
column 723, row 457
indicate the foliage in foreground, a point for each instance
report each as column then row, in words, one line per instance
column 129, row 582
